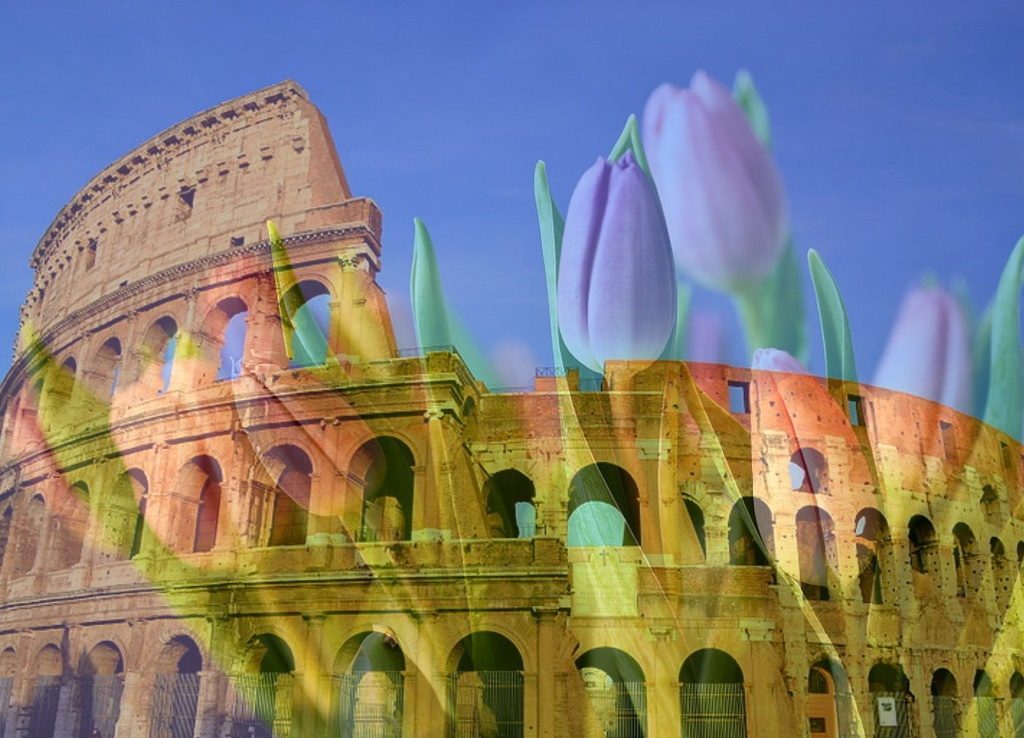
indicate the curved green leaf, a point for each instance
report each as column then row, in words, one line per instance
column 835, row 327
column 1004, row 406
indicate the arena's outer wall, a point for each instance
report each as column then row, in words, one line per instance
column 67, row 583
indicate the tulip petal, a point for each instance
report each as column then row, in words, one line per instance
column 776, row 360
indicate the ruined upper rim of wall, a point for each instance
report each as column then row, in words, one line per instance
column 202, row 187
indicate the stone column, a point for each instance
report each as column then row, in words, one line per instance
column 313, row 693
column 546, row 647
column 428, row 715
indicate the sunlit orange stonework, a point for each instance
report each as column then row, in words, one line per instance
column 809, row 554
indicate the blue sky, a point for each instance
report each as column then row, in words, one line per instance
column 899, row 130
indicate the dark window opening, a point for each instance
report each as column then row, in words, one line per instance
column 855, row 406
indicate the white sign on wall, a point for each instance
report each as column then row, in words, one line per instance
column 887, row 712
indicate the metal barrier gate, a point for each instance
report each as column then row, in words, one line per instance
column 946, row 710
column 173, row 711
column 485, row 703
column 45, row 700
column 713, row 710
column 99, row 704
column 370, row 704
column 263, row 705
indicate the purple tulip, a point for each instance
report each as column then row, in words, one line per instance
column 616, row 282
column 722, row 195
column 776, row 360
column 928, row 353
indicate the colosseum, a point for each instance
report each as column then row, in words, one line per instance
column 232, row 507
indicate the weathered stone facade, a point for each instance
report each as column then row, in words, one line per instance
column 379, row 546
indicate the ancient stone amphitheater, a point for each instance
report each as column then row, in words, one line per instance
column 210, row 529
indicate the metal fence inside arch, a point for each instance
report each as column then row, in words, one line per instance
column 45, row 700
column 99, row 702
column 370, row 704
column 713, row 710
column 947, row 716
column 485, row 703
column 263, row 705
column 173, row 713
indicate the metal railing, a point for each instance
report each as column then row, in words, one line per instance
column 713, row 710
column 370, row 704
column 99, row 704
column 263, row 705
column 173, row 712
column 901, row 706
column 43, row 712
column 485, row 704
column 620, row 708
column 946, row 710
column 988, row 720
column 6, row 687
column 1017, row 716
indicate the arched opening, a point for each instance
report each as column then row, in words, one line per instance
column 695, row 514
column 369, row 679
column 815, row 535
column 382, row 469
column 616, row 692
column 107, row 368
column 965, row 553
column 8, row 669
column 100, row 683
column 510, row 511
column 712, row 697
column 945, row 705
column 227, row 327
column 5, row 532
column 1017, row 704
column 159, row 346
column 822, row 716
column 67, row 530
column 1003, row 575
column 808, row 471
column 486, row 687
column 1020, row 554
column 140, row 489
column 264, row 690
column 306, row 309
column 200, row 480
column 923, row 546
column 751, row 534
column 604, row 507
column 28, row 540
column 891, row 697
column 985, row 706
column 48, row 672
column 873, row 543
column 176, row 689
column 292, row 473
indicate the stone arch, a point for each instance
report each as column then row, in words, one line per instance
column 27, row 540
column 264, row 688
column 751, row 533
column 695, row 514
column 47, row 669
column 156, row 355
column 225, row 327
column 616, row 691
column 509, row 496
column 1003, row 575
column 604, row 507
column 891, row 695
column 965, row 559
column 306, row 310
column 381, row 470
column 67, row 530
column 106, row 367
column 289, row 473
column 9, row 667
column 808, row 470
column 200, row 479
column 712, row 694
column 874, row 549
column 945, row 704
column 175, row 693
column 133, row 488
column 370, row 676
column 923, row 545
column 817, row 556
column 486, row 681
column 6, row 517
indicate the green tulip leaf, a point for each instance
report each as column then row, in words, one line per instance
column 304, row 341
column 749, row 100
column 675, row 349
column 629, row 140
column 1004, row 404
column 835, row 327
column 436, row 326
column 772, row 312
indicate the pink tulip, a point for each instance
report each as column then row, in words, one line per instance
column 775, row 360
column 928, row 353
column 723, row 198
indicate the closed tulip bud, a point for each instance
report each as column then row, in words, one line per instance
column 616, row 283
column 723, row 198
column 775, row 360
column 928, row 352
